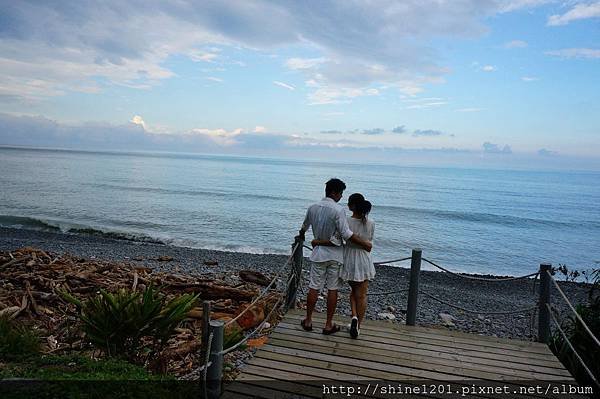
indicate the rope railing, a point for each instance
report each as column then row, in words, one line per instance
column 479, row 278
column 568, row 342
column 391, row 261
column 585, row 326
column 524, row 310
column 256, row 330
column 266, row 289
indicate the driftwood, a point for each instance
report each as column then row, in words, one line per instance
column 255, row 277
column 30, row 280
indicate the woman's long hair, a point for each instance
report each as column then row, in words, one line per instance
column 357, row 203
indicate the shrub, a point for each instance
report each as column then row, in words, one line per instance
column 118, row 322
column 579, row 337
column 16, row 340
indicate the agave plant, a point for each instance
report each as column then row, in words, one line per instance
column 117, row 322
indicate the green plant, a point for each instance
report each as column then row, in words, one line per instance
column 579, row 337
column 232, row 337
column 16, row 340
column 118, row 322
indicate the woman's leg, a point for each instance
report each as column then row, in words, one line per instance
column 361, row 300
column 353, row 297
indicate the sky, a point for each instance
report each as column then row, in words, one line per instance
column 511, row 83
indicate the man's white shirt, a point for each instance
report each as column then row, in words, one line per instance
column 328, row 221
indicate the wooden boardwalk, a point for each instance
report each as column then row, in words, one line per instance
column 296, row 363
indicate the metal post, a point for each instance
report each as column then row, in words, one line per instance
column 413, row 288
column 295, row 273
column 205, row 328
column 215, row 371
column 544, row 313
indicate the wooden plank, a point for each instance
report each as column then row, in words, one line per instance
column 499, row 360
column 366, row 363
column 425, row 332
column 288, row 362
column 476, row 371
column 473, row 344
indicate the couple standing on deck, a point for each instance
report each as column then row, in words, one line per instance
column 333, row 261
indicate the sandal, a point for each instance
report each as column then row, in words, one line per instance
column 304, row 326
column 333, row 330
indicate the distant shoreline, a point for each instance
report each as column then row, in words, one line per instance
column 469, row 294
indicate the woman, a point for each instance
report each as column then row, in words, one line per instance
column 358, row 266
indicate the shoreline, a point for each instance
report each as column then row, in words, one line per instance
column 473, row 295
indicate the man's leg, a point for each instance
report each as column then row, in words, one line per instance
column 311, row 302
column 332, row 296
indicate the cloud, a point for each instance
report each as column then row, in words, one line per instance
column 137, row 120
column 50, row 48
column 581, row 53
column 427, row 133
column 488, row 68
column 421, row 103
column 472, row 109
column 491, row 148
column 579, row 11
column 546, row 153
column 515, row 44
column 331, row 132
column 303, row 63
column 214, row 79
column 373, row 132
column 529, row 78
column 399, row 129
column 260, row 129
column 284, row 85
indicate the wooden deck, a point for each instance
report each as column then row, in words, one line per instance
column 297, row 363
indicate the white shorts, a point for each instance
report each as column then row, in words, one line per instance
column 325, row 274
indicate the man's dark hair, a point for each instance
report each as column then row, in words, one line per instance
column 334, row 186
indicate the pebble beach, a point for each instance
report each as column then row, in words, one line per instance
column 477, row 296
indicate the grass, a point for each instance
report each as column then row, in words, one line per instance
column 16, row 340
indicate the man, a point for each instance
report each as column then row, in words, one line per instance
column 328, row 221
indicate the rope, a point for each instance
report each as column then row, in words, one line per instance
column 266, row 288
column 479, row 278
column 571, row 345
column 387, row 292
column 477, row 311
column 307, row 247
column 258, row 329
column 391, row 261
column 206, row 360
column 574, row 311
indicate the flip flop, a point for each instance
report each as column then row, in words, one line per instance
column 305, row 327
column 332, row 330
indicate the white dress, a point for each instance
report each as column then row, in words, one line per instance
column 358, row 265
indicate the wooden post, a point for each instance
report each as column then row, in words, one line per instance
column 544, row 312
column 413, row 288
column 215, row 371
column 295, row 273
column 205, row 329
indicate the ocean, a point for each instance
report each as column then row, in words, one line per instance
column 497, row 222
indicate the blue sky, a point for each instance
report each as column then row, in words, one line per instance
column 482, row 82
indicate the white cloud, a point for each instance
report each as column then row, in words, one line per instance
column 516, row 44
column 529, row 78
column 214, row 79
column 575, row 53
column 138, row 120
column 472, row 109
column 488, row 68
column 579, row 11
column 260, row 129
column 513, row 5
column 303, row 63
column 284, row 85
column 50, row 48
